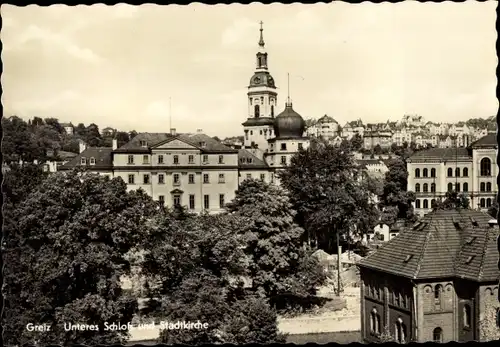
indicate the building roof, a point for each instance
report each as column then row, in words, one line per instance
column 326, row 119
column 247, row 160
column 259, row 121
column 488, row 141
column 440, row 246
column 210, row 144
column 289, row 123
column 102, row 155
column 441, row 154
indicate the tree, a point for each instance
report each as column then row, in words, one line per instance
column 356, row 142
column 92, row 135
column 193, row 264
column 54, row 123
column 394, row 147
column 328, row 190
column 122, row 138
column 37, row 121
column 133, row 134
column 65, row 247
column 453, row 200
column 377, row 149
column 395, row 200
column 279, row 264
column 48, row 141
column 81, row 130
column 18, row 143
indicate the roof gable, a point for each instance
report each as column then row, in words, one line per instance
column 175, row 143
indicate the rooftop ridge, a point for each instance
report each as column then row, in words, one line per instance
column 424, row 248
column 483, row 253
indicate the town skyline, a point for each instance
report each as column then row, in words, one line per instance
column 445, row 72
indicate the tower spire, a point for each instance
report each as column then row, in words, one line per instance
column 288, row 100
column 261, row 41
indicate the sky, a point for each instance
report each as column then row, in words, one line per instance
column 140, row 67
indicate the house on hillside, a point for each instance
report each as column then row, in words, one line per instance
column 108, row 132
column 436, row 281
column 68, row 128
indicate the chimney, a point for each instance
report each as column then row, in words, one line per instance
column 199, row 131
column 115, row 144
column 172, row 131
column 83, row 146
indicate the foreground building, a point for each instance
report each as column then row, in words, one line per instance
column 472, row 171
column 435, row 282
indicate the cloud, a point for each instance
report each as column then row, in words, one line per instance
column 47, row 37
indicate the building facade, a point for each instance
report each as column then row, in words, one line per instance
column 434, row 282
column 471, row 171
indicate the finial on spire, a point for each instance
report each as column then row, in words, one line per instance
column 288, row 100
column 261, row 41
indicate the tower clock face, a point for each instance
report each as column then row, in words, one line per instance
column 256, row 79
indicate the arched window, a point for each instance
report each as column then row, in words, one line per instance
column 450, row 187
column 426, row 187
column 467, row 316
column 438, row 290
column 417, row 203
column 433, row 172
column 433, row 203
column 466, row 187
column 488, row 187
column 482, row 187
column 417, row 173
column 417, row 187
column 377, row 323
column 437, row 335
column 374, row 321
column 485, row 167
column 457, row 187
column 482, row 203
column 425, row 172
column 450, row 172
column 433, row 187
column 272, row 110
column 400, row 331
column 256, row 111
column 466, row 172
column 488, row 202
column 457, row 172
column 426, row 203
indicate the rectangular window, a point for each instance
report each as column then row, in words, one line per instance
column 300, row 146
column 283, row 160
column 161, row 178
column 92, row 161
column 131, row 179
column 177, row 200
column 206, row 178
column 191, row 178
column 283, row 146
column 205, row 159
column 249, row 176
column 222, row 178
column 145, row 159
column 176, row 159
column 191, row 201
column 143, row 143
column 221, row 201
column 262, row 177
column 272, row 178
column 161, row 199
column 221, row 159
column 130, row 159
column 146, row 178
column 191, row 159
column 177, row 179
column 160, row 159
column 83, row 161
column 206, row 202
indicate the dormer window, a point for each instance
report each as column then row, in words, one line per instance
column 143, row 143
column 249, row 160
column 203, row 144
column 83, row 161
column 92, row 161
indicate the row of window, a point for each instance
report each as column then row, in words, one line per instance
column 146, row 178
column 483, row 187
column 395, row 298
column 192, row 201
column 483, row 203
column 399, row 326
column 256, row 111
column 83, row 161
column 145, row 159
column 485, row 170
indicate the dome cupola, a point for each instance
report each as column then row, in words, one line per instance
column 289, row 123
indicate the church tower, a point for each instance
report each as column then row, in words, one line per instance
column 262, row 98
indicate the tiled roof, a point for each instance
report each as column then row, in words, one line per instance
column 152, row 139
column 247, row 160
column 102, row 157
column 488, row 141
column 326, row 119
column 442, row 154
column 439, row 246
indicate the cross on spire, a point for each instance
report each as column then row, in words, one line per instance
column 261, row 41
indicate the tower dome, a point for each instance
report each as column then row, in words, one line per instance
column 289, row 123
